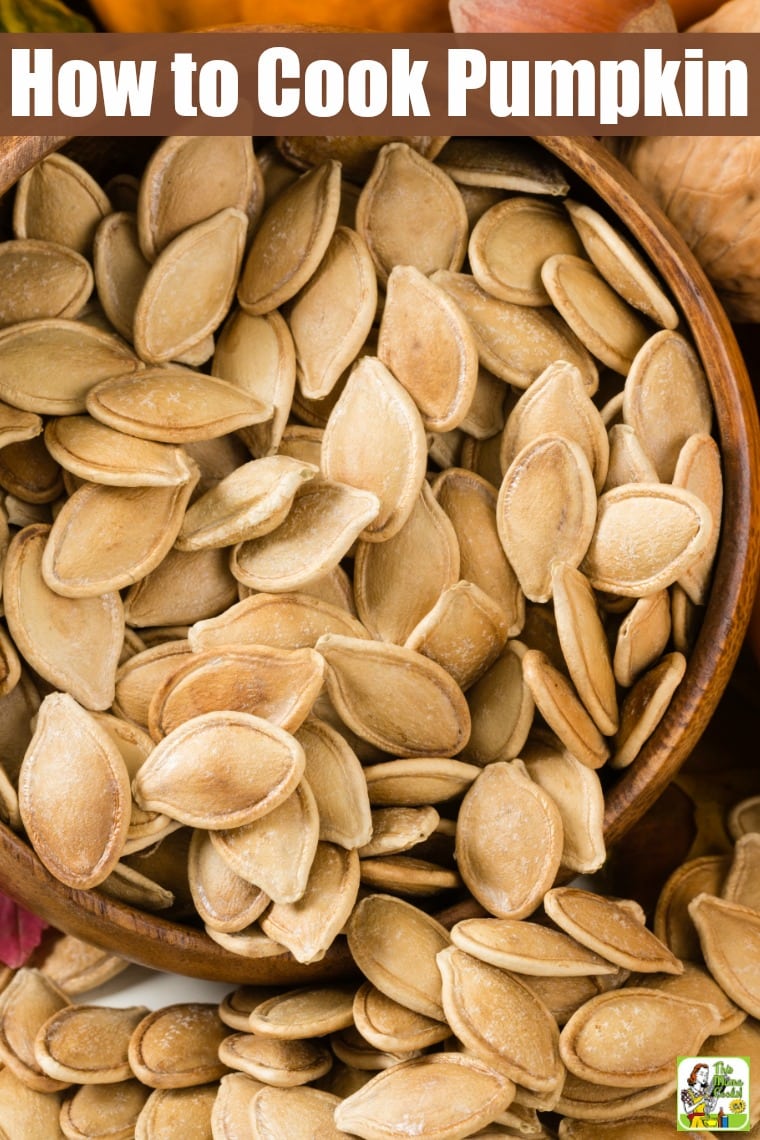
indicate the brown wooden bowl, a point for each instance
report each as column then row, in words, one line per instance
column 156, row 942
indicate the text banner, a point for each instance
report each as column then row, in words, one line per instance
column 379, row 84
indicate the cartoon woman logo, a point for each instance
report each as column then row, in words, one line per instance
column 697, row 1098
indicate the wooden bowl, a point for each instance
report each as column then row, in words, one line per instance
column 170, row 946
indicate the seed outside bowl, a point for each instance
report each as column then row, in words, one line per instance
column 599, row 179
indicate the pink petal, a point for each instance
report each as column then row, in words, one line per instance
column 20, row 932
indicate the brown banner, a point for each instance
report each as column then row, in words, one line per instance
column 379, row 84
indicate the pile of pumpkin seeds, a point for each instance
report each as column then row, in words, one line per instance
column 360, row 504
column 511, row 1028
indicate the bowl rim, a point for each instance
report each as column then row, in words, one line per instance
column 159, row 943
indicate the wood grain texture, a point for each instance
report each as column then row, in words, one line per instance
column 164, row 945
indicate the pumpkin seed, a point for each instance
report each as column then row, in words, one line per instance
column 407, row 875
column 230, row 788
column 41, row 279
column 672, row 923
column 740, row 883
column 577, row 791
column 105, row 538
column 185, row 587
column 282, row 1064
column 664, row 419
column 175, row 191
column 16, row 425
column 276, row 850
column 373, row 407
column 642, row 637
column 336, row 778
column 584, row 645
column 525, row 1045
column 250, row 942
column 332, row 314
column 173, row 404
column 660, row 1028
column 76, row 966
column 563, row 996
column 324, row 521
column 230, row 1116
column 393, row 1027
column 290, row 240
column 515, row 342
column 393, row 592
column 394, row 697
column 394, row 944
column 100, row 454
column 506, row 163
column 434, row 353
column 526, row 948
column 135, row 889
column 74, row 795
column 606, row 324
column 470, row 502
column 402, row 188
column 486, row 414
column 120, row 270
column 26, row 1003
column 620, row 264
column 177, row 1046
column 353, row 1051
column 608, row 928
column 58, row 201
column 298, row 1113
column 295, row 1014
column 558, row 400
column 462, row 1094
column 288, row 621
column 309, row 926
column 510, row 242
column 698, row 469
column 557, row 701
column 418, row 780
column 662, row 529
column 729, row 933
column 189, row 287
column 278, row 685
column 169, row 1110
column 628, row 462
column 582, row 1100
column 465, row 632
column 501, row 710
column 28, row 472
column 499, row 854
column 103, row 1112
column 222, row 898
column 258, row 355
column 31, row 377
column 87, row 1044
column 554, row 470
column 138, row 678
column 697, row 984
column 644, row 707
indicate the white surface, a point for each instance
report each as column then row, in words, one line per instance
column 139, row 986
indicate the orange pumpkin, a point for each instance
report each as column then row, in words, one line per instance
column 186, row 15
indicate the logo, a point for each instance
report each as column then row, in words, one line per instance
column 713, row 1094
